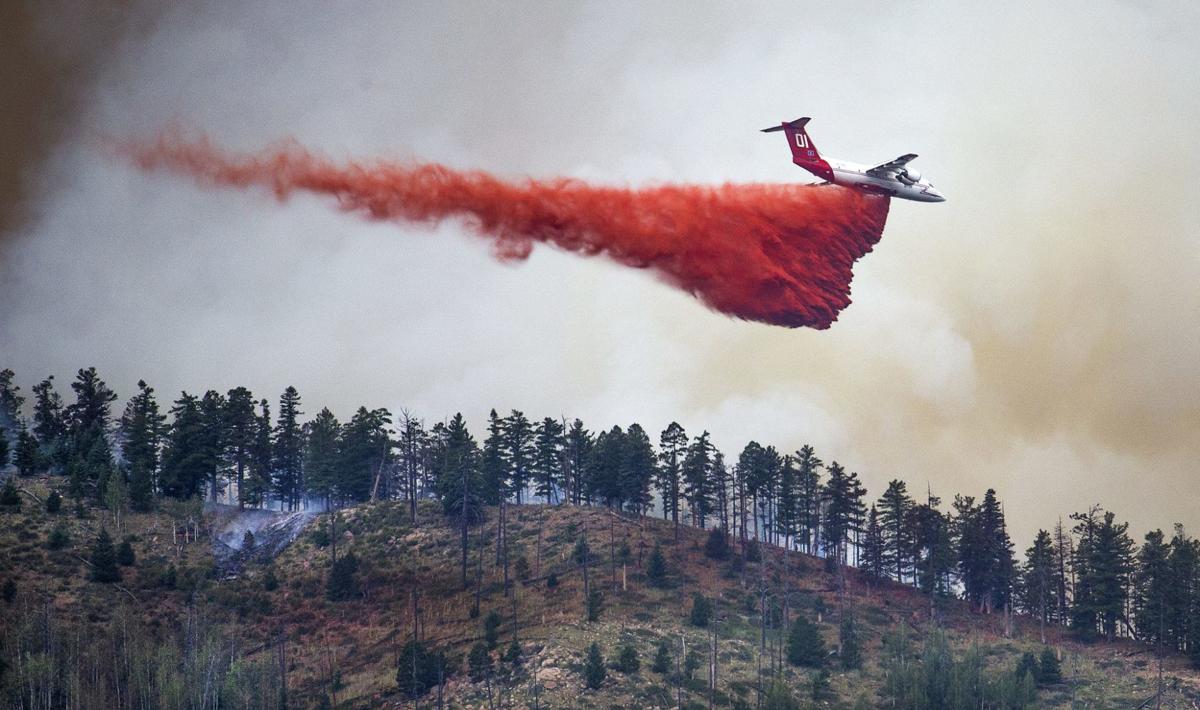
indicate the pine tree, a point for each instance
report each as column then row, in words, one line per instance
column 365, row 450
column 288, row 450
column 491, row 629
column 656, row 568
column 1039, row 585
column 342, row 584
column 627, row 660
column 494, row 464
column 872, row 556
column 10, row 497
column 10, row 400
column 1152, row 582
column 662, row 658
column 805, row 647
column 605, row 466
column 88, row 419
column 594, row 671
column 842, row 498
column 849, row 642
column 53, row 502
column 1103, row 563
column 322, row 456
column 142, row 429
column 26, row 456
column 808, row 497
column 637, row 468
column 258, row 482
column 575, row 457
column 49, row 422
column 416, row 457
column 184, row 466
column 4, row 456
column 549, row 443
column 125, row 554
column 894, row 513
column 104, row 559
column 697, row 488
column 241, row 429
column 479, row 661
column 1049, row 669
column 519, row 452
column 595, row 604
column 717, row 545
column 672, row 447
column 701, row 611
column 214, row 436
column 418, row 670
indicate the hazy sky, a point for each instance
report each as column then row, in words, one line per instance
column 1038, row 332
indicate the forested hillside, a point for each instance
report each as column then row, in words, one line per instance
column 543, row 565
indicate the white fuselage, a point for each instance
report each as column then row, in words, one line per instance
column 855, row 175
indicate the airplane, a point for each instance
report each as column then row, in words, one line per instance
column 893, row 178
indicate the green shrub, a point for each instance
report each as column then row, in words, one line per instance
column 125, row 556
column 662, row 658
column 805, row 647
column 59, row 537
column 627, row 660
column 701, row 611
column 491, row 629
column 656, row 568
column 594, row 672
column 53, row 502
column 104, row 559
column 342, row 584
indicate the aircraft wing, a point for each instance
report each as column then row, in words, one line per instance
column 892, row 166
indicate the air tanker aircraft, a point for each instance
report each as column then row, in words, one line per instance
column 892, row 178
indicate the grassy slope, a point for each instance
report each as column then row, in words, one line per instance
column 360, row 639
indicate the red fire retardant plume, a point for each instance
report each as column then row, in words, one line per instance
column 775, row 253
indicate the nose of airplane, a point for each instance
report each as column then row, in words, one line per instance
column 935, row 195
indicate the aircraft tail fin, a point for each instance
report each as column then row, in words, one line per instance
column 803, row 150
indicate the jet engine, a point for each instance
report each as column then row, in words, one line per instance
column 909, row 176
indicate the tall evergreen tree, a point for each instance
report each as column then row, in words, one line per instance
column 104, row 559
column 212, row 411
column 519, row 452
column 842, row 496
column 49, row 422
column 1102, row 566
column 365, row 451
column 871, row 560
column 672, row 448
column 549, row 443
column 697, row 470
column 413, row 448
column 322, row 456
column 26, row 457
column 494, row 463
column 1152, row 582
column 288, row 450
column 894, row 515
column 241, row 428
column 575, row 457
column 184, row 459
column 637, row 468
column 808, row 497
column 605, row 465
column 1039, row 582
column 88, row 419
column 10, row 400
column 142, row 432
column 258, row 482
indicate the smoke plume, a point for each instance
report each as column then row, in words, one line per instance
column 775, row 253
